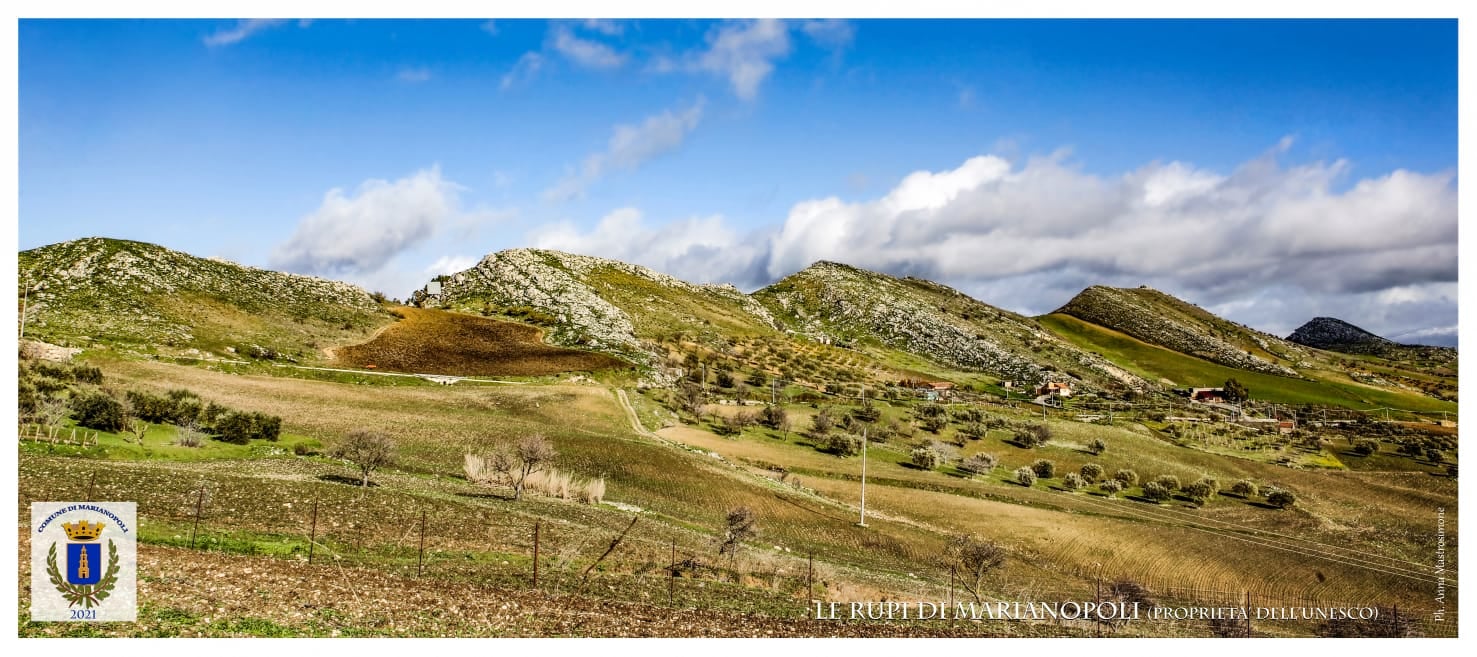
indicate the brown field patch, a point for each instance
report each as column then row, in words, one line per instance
column 431, row 341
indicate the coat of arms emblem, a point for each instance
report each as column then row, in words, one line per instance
column 88, row 579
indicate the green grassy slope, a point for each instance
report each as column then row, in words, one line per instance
column 1157, row 362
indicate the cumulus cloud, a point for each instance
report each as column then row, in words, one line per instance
column 584, row 52
column 629, row 147
column 1268, row 245
column 744, row 52
column 450, row 265
column 358, row 232
column 522, row 71
column 696, row 249
column 242, row 30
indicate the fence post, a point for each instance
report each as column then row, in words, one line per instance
column 313, row 532
column 672, row 576
column 1248, row 613
column 420, row 558
column 535, row 553
column 91, row 481
column 199, row 504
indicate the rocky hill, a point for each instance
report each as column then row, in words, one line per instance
column 1161, row 319
column 1334, row 334
column 148, row 297
column 600, row 304
column 836, row 302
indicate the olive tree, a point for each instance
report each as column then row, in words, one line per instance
column 367, row 450
column 971, row 560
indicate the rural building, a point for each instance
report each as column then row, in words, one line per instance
column 1286, row 426
column 1208, row 395
column 931, row 390
column 1055, row 389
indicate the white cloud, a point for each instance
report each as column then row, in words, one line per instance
column 523, row 70
column 359, row 232
column 243, row 29
column 744, row 52
column 604, row 26
column 697, row 249
column 413, row 75
column 629, row 147
column 584, row 52
column 450, row 265
column 1271, row 246
column 489, row 26
column 830, row 33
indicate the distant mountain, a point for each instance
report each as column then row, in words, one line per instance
column 1334, row 334
column 1160, row 319
column 144, row 296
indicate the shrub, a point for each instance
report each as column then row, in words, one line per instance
column 1156, row 491
column 820, row 423
column 189, row 435
column 1091, row 472
column 1111, row 487
column 934, row 424
column 868, row 413
column 1169, row 482
column 1434, row 455
column 1365, row 446
column 1281, row 498
column 1033, row 435
column 1072, row 481
column 1128, row 478
column 1244, row 488
column 1043, row 468
column 925, row 458
column 151, row 408
column 979, row 464
column 98, row 410
column 239, row 427
column 1200, row 491
column 843, row 444
column 87, row 374
column 1025, row 476
column 1097, row 446
column 773, row 417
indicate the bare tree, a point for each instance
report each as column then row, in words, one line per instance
column 367, row 449
column 138, row 428
column 187, row 435
column 971, row 560
column 531, row 454
column 51, row 412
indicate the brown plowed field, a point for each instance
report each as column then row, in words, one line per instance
column 438, row 342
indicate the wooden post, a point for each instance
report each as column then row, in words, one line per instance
column 91, row 481
column 420, row 559
column 199, row 505
column 1248, row 612
column 313, row 532
column 535, row 553
column 951, row 587
column 672, row 576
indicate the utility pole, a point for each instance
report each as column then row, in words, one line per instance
column 863, row 523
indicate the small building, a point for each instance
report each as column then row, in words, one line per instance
column 1208, row 395
column 1286, row 426
column 933, row 390
column 1055, row 389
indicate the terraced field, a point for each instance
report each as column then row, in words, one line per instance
column 429, row 341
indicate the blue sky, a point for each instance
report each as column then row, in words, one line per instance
column 1268, row 170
